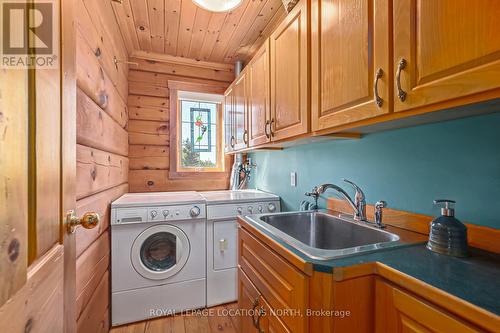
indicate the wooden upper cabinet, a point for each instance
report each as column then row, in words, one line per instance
column 228, row 120
column 350, row 61
column 240, row 110
column 451, row 49
column 259, row 115
column 399, row 312
column 289, row 75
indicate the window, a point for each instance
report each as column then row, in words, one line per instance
column 199, row 132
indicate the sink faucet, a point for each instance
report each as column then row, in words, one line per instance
column 358, row 205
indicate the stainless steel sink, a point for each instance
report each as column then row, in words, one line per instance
column 321, row 235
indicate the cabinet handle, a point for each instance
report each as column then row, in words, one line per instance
column 255, row 304
column 257, row 325
column 232, row 141
column 401, row 92
column 245, row 137
column 378, row 100
column 271, row 127
column 266, row 130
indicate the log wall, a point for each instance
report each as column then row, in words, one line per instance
column 102, row 152
column 149, row 128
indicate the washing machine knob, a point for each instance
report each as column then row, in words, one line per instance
column 250, row 209
column 271, row 207
column 260, row 209
column 240, row 210
column 154, row 213
column 165, row 213
column 195, row 211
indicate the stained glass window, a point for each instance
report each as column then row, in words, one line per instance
column 201, row 130
column 199, row 134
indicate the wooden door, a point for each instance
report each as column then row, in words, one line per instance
column 351, row 74
column 445, row 50
column 400, row 312
column 228, row 120
column 37, row 178
column 240, row 111
column 259, row 116
column 289, row 75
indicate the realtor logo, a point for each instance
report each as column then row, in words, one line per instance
column 29, row 32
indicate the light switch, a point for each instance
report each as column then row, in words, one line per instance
column 293, row 178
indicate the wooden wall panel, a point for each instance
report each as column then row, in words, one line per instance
column 95, row 82
column 108, row 41
column 148, row 101
column 149, row 135
column 90, row 268
column 150, row 163
column 148, row 139
column 157, row 180
column 102, row 149
column 148, row 113
column 97, row 170
column 147, row 89
column 183, row 70
column 160, row 79
column 97, row 129
column 149, row 127
column 93, row 317
column 99, row 203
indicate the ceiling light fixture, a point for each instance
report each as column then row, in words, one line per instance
column 218, row 5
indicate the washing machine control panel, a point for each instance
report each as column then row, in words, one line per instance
column 184, row 212
column 158, row 213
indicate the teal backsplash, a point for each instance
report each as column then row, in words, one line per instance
column 408, row 168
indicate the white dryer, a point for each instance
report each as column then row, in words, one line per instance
column 158, row 255
column 223, row 207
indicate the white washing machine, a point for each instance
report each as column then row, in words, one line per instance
column 158, row 255
column 223, row 207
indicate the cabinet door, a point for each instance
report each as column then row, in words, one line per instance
column 451, row 49
column 258, row 97
column 351, row 76
column 289, row 75
column 399, row 312
column 274, row 324
column 249, row 304
column 240, row 111
column 228, row 120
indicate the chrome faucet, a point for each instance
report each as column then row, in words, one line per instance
column 359, row 203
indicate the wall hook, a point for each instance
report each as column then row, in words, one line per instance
column 116, row 62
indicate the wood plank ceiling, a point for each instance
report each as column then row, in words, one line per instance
column 180, row 28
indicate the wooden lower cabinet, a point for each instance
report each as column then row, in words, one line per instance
column 279, row 285
column 248, row 302
column 277, row 294
column 258, row 316
column 399, row 312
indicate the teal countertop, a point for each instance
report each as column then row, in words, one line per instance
column 474, row 279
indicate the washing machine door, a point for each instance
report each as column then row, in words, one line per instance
column 160, row 252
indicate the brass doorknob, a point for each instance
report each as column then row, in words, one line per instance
column 88, row 220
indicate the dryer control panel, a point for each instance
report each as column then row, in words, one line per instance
column 224, row 211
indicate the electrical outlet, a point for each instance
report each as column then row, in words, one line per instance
column 293, row 178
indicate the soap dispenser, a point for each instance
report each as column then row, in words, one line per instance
column 448, row 235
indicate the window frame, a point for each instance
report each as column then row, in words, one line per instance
column 176, row 170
